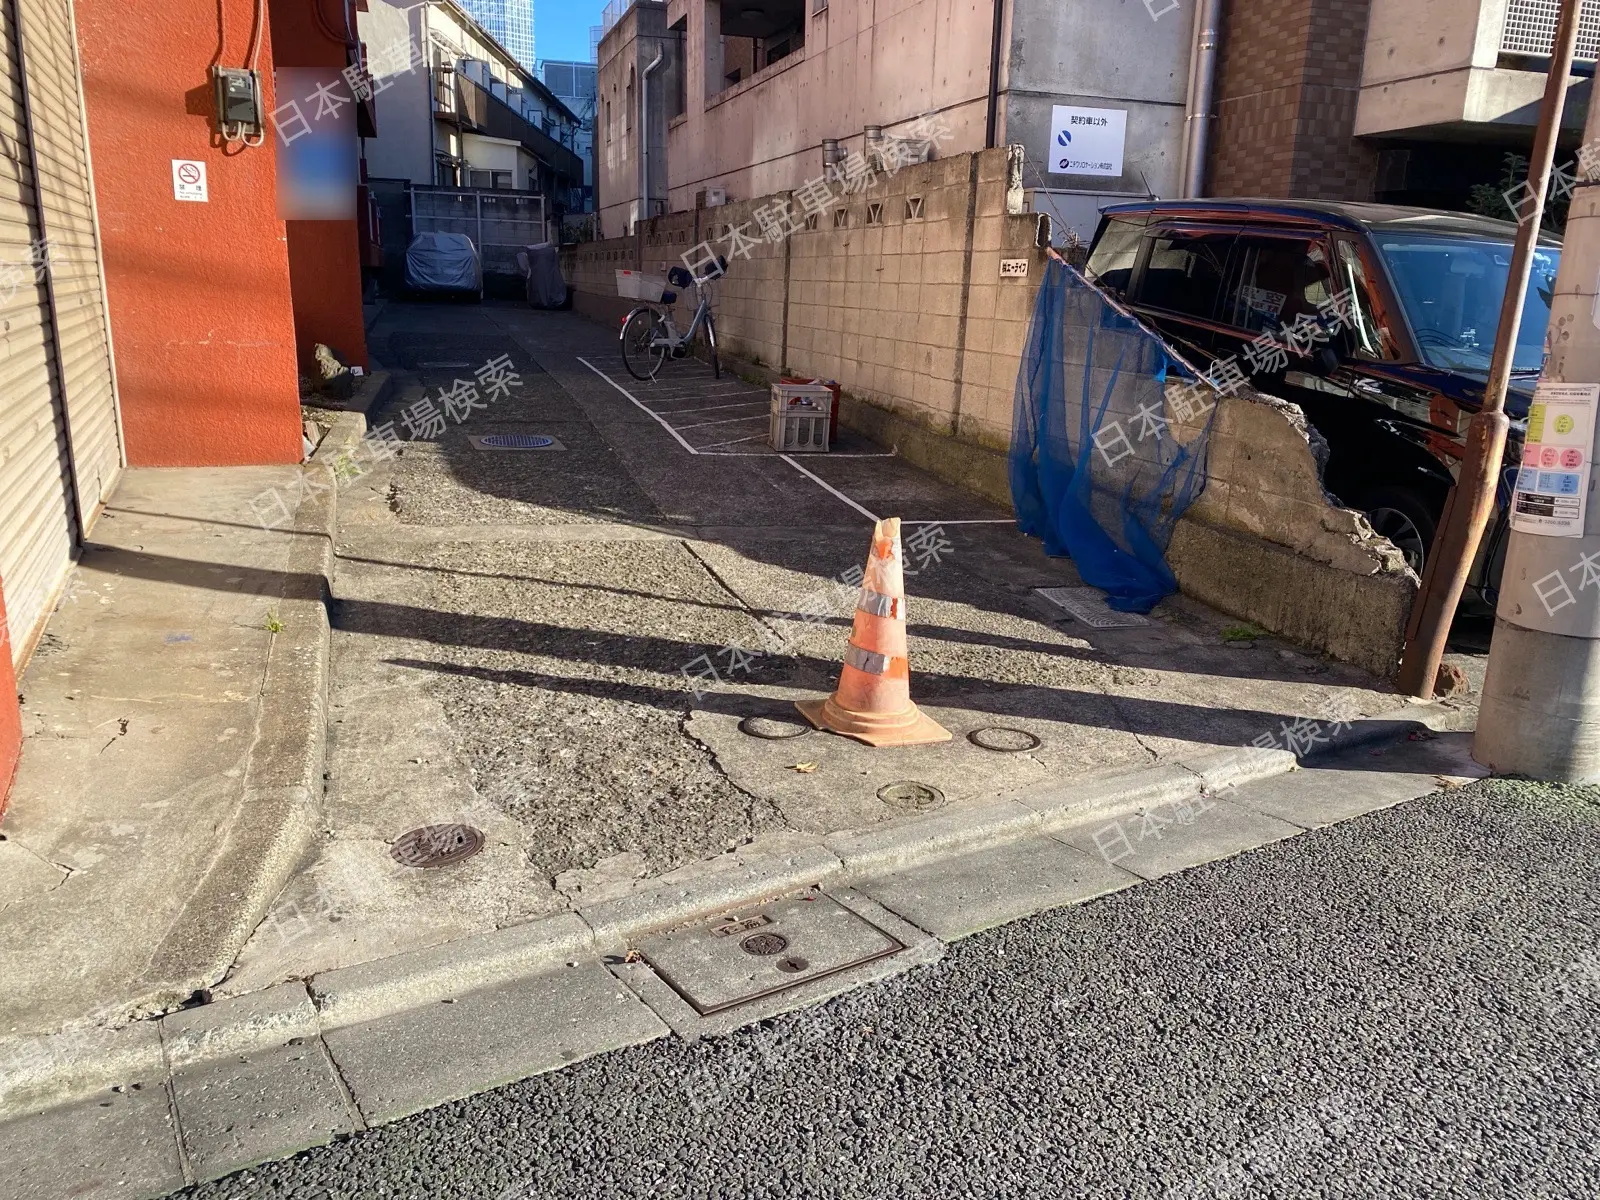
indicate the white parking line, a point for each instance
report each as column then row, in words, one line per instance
column 635, row 401
column 678, row 437
column 828, row 487
column 758, row 437
column 724, row 421
column 712, row 408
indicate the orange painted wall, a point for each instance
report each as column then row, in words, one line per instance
column 325, row 273
column 324, row 256
column 199, row 293
column 10, row 711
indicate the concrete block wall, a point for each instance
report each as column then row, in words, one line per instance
column 1263, row 541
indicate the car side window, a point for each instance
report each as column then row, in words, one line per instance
column 1276, row 281
column 1368, row 331
column 1184, row 272
column 1116, row 250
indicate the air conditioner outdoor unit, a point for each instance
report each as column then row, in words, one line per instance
column 711, row 197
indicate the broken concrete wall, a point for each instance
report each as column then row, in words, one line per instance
column 897, row 292
column 1265, row 542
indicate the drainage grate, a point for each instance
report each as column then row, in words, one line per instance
column 911, row 795
column 1003, row 739
column 1088, row 605
column 436, row 845
column 773, row 729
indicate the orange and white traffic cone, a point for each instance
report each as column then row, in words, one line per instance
column 873, row 700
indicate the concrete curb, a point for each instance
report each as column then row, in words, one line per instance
column 282, row 794
column 79, row 1064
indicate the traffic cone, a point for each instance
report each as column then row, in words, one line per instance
column 873, row 700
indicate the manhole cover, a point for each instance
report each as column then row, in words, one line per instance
column 516, row 441
column 773, row 728
column 764, row 944
column 1003, row 739
column 794, row 941
column 1089, row 605
column 917, row 797
column 436, row 845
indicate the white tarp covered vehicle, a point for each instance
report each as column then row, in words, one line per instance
column 444, row 262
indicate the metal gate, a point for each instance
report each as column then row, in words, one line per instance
column 499, row 223
column 59, row 446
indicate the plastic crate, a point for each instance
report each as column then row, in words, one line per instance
column 636, row 285
column 801, row 416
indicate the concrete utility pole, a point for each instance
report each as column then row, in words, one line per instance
column 1540, row 715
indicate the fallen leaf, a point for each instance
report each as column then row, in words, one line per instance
column 804, row 768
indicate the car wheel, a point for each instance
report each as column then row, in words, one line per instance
column 1406, row 519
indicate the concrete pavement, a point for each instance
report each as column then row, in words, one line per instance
column 242, row 1081
column 562, row 648
column 558, row 646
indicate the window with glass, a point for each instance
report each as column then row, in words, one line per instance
column 1116, row 250
column 1451, row 289
column 1185, row 271
column 1277, row 280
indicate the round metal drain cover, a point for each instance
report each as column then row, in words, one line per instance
column 791, row 965
column 774, row 729
column 1003, row 739
column 918, row 797
column 763, row 945
column 517, row 441
column 436, row 845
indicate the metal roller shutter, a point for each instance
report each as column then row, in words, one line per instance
column 76, row 291
column 37, row 514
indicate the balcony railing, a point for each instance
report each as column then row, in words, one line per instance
column 1530, row 28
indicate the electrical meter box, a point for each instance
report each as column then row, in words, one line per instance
column 238, row 101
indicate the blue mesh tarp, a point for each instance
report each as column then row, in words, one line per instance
column 1101, row 465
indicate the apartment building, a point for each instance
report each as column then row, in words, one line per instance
column 746, row 95
column 575, row 84
column 1404, row 101
column 461, row 111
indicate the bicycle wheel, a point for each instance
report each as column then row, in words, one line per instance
column 711, row 347
column 642, row 358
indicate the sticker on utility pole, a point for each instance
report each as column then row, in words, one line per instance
column 1553, row 483
column 1013, row 268
column 1087, row 141
column 189, row 180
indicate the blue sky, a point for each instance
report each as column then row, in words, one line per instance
column 561, row 27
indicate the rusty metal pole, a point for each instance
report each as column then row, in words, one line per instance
column 1471, row 501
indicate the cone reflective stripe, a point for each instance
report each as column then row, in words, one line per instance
column 873, row 700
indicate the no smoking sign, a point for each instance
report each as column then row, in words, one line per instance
column 189, row 180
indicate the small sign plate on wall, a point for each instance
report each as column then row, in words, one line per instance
column 1013, row 268
column 189, row 180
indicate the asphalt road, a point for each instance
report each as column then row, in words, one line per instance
column 1407, row 1004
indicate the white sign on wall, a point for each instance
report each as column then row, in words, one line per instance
column 189, row 179
column 1087, row 141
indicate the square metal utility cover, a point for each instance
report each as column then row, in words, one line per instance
column 1088, row 605
column 762, row 950
column 516, row 441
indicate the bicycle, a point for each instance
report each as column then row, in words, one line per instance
column 649, row 335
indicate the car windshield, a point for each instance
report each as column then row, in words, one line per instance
column 1451, row 288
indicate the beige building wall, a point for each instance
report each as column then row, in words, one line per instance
column 865, row 62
